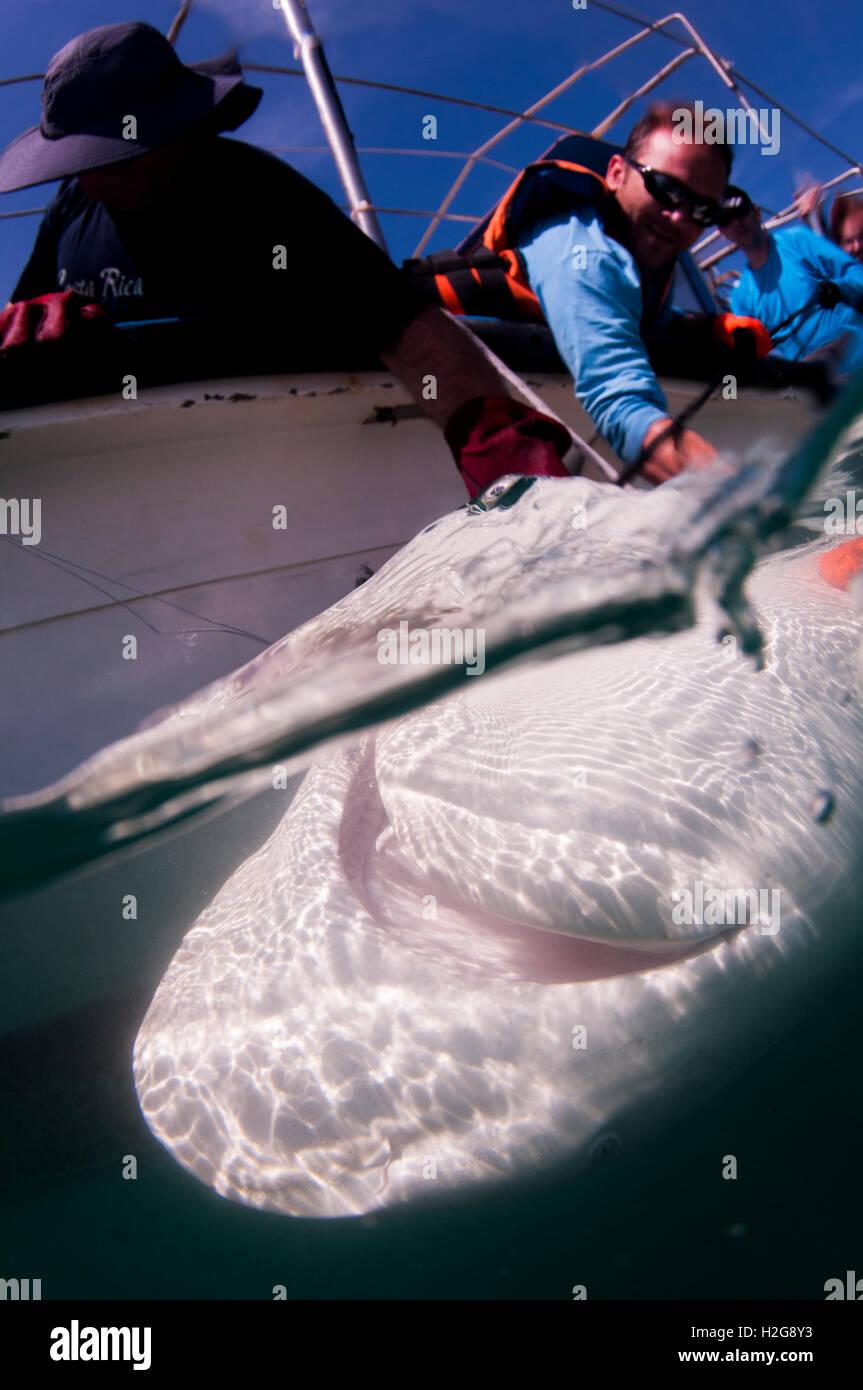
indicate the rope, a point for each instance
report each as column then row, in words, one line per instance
column 522, row 116
column 730, row 71
column 383, row 149
column 25, row 212
column 672, row 430
column 402, row 212
column 78, row 571
column 418, row 212
column 808, row 308
column 418, row 92
column 518, row 120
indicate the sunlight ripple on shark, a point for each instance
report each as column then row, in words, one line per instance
column 458, row 957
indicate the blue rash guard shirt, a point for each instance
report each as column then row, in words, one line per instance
column 594, row 298
column 797, row 260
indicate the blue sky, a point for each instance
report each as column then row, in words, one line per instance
column 505, row 52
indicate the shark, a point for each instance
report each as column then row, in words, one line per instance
column 512, row 918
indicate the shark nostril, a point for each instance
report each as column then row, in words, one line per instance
column 822, row 806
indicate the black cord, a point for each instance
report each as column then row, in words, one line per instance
column 672, row 430
column 808, row 308
column 675, row 426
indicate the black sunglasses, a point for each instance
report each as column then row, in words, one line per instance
column 736, row 205
column 670, row 193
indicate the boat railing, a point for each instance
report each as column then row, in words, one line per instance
column 365, row 211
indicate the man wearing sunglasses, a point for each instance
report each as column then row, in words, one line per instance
column 602, row 273
column 807, row 291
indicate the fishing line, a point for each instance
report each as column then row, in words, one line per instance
column 673, row 429
column 70, row 566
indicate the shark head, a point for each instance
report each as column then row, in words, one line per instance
column 525, row 921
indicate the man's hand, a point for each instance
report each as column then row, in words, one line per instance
column 672, row 456
column 807, row 199
column 46, row 319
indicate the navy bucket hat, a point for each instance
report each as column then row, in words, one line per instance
column 106, row 75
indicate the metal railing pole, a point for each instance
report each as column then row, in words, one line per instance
column 179, row 20
column 605, row 126
column 323, row 89
column 729, row 71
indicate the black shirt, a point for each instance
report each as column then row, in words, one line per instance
column 208, row 250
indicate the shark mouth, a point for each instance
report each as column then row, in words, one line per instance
column 442, row 927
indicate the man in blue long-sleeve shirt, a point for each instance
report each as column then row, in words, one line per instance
column 793, row 271
column 602, row 272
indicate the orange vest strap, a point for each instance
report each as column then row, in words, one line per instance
column 488, row 276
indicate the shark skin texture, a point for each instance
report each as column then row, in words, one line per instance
column 524, row 923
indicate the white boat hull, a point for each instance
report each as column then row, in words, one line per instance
column 174, row 496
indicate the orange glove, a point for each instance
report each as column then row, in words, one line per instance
column 46, row 319
column 840, row 564
column 726, row 325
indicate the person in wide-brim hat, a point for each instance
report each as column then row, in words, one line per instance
column 100, row 79
column 160, row 219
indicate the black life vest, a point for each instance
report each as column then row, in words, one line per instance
column 487, row 275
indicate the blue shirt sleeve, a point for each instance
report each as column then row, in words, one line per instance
column 825, row 259
column 590, row 294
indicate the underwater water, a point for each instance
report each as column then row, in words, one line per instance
column 654, row 1223
column 321, row 1044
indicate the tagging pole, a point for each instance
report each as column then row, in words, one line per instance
column 310, row 51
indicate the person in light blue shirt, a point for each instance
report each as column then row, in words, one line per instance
column 590, row 290
column 602, row 275
column 807, row 292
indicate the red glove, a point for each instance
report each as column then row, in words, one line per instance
column 46, row 318
column 726, row 325
column 494, row 435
